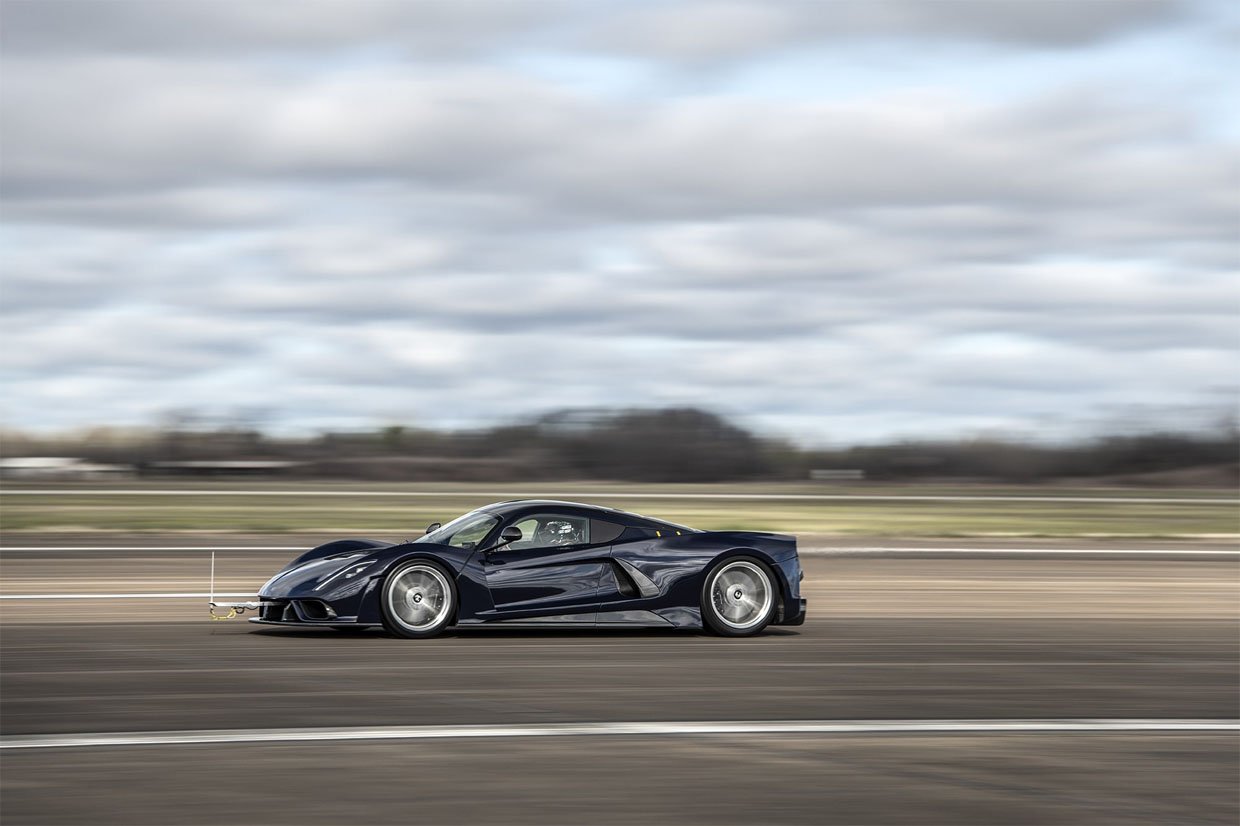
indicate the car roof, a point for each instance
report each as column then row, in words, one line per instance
column 522, row 504
column 613, row 514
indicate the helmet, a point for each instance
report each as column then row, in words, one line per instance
column 558, row 532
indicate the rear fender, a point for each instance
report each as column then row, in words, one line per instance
column 777, row 569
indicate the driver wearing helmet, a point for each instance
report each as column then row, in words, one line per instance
column 558, row 532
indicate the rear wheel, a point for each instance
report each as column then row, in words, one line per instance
column 738, row 597
column 418, row 599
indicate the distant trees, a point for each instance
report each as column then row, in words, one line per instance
column 647, row 445
column 670, row 445
column 1010, row 461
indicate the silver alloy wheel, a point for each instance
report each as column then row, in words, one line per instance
column 741, row 594
column 419, row 597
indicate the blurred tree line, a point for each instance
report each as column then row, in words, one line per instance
column 662, row 445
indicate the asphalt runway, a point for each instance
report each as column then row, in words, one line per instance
column 971, row 640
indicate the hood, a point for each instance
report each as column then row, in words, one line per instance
column 344, row 573
column 332, row 577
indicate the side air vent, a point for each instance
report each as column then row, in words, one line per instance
column 644, row 585
column 624, row 583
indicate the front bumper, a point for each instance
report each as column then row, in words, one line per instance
column 303, row 612
column 298, row 624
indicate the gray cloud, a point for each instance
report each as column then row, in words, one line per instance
column 693, row 31
column 189, row 134
column 716, row 30
column 435, row 28
column 195, row 217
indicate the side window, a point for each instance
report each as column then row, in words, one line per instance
column 602, row 532
column 529, row 527
column 551, row 530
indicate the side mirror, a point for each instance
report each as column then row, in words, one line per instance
column 509, row 534
column 434, row 526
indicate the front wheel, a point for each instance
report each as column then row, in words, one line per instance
column 419, row 599
column 738, row 598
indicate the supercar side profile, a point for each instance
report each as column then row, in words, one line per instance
column 535, row 562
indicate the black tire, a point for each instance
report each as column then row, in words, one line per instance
column 417, row 590
column 747, row 601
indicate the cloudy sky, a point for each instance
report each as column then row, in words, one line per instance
column 837, row 220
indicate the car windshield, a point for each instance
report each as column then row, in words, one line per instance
column 464, row 531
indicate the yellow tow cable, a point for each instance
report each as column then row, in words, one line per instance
column 232, row 613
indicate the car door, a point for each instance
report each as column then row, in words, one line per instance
column 551, row 574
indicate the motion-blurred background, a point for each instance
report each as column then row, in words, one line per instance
column 834, row 223
column 948, row 288
column 849, row 242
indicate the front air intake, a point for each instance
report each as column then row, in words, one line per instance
column 313, row 610
column 272, row 610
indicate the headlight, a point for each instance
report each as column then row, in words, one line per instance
column 345, row 574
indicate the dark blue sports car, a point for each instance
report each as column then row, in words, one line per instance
column 534, row 562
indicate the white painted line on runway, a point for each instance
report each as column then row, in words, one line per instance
column 61, row 548
column 596, row 495
column 1022, row 551
column 639, row 659
column 840, row 551
column 666, row 729
column 203, row 595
